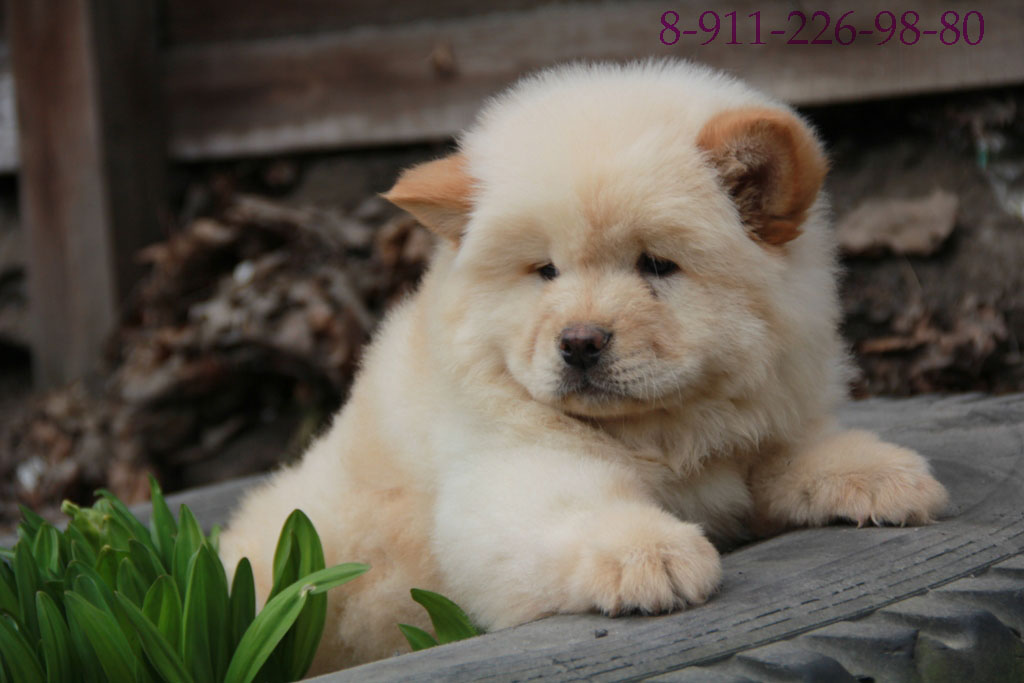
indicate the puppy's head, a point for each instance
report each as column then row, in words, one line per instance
column 615, row 256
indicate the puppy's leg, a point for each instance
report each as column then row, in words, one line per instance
column 845, row 474
column 523, row 534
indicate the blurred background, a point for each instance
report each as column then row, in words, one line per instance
column 192, row 251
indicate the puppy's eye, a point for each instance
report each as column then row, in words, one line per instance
column 548, row 271
column 658, row 267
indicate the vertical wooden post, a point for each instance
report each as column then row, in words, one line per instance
column 87, row 83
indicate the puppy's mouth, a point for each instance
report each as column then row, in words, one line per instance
column 594, row 394
column 590, row 385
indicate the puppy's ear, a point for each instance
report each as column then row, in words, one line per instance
column 438, row 193
column 770, row 163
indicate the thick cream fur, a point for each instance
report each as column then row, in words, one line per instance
column 460, row 465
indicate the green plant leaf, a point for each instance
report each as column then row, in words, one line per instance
column 242, row 602
column 213, row 538
column 136, row 529
column 190, row 535
column 87, row 522
column 162, row 606
column 88, row 666
column 85, row 581
column 8, row 591
column 55, row 640
column 204, row 638
column 450, row 622
column 298, row 554
column 55, row 589
column 80, row 547
column 161, row 654
column 29, row 525
column 417, row 637
column 116, row 533
column 277, row 617
column 106, row 565
column 89, row 586
column 146, row 561
column 104, row 635
column 47, row 551
column 130, row 583
column 26, row 576
column 18, row 654
column 162, row 526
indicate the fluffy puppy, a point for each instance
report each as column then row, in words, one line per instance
column 625, row 345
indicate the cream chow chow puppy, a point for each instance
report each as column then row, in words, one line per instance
column 625, row 346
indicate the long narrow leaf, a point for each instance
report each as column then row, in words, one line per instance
column 18, row 654
column 242, row 602
column 87, row 583
column 146, row 561
column 26, row 575
column 55, row 641
column 162, row 526
column 81, row 548
column 115, row 533
column 213, row 538
column 185, row 545
column 418, row 638
column 280, row 613
column 47, row 551
column 88, row 522
column 29, row 525
column 204, row 638
column 162, row 607
column 8, row 592
column 104, row 634
column 106, row 565
column 130, row 583
column 450, row 622
column 161, row 654
column 298, row 647
column 137, row 529
column 89, row 669
column 88, row 586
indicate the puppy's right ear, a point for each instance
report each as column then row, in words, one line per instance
column 771, row 165
column 438, row 193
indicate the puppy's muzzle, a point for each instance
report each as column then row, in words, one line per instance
column 581, row 345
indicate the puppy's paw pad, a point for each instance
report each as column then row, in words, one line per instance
column 652, row 568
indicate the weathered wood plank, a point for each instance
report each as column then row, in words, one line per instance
column 201, row 21
column 776, row 589
column 364, row 74
column 8, row 121
column 773, row 590
column 91, row 166
column 380, row 85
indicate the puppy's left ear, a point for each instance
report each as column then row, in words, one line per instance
column 438, row 193
column 771, row 165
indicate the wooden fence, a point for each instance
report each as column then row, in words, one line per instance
column 108, row 90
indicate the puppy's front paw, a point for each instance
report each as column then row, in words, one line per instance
column 641, row 559
column 867, row 480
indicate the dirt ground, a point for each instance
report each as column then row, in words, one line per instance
column 242, row 339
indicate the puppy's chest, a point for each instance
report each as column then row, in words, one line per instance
column 714, row 495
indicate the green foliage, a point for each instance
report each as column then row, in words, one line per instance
column 109, row 599
column 450, row 622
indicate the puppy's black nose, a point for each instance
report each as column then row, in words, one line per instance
column 581, row 345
